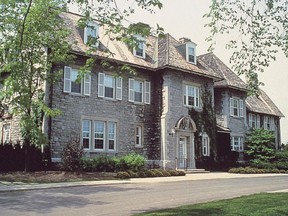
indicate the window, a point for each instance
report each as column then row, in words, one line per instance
column 91, row 34
column 236, row 107
column 191, row 96
column 139, row 91
column 86, row 128
column 191, row 53
column 73, row 85
column 138, row 136
column 139, row 50
column 6, row 133
column 205, row 145
column 254, row 120
column 269, row 123
column 237, row 143
column 103, row 134
column 109, row 86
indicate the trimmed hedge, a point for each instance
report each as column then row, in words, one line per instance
column 149, row 173
column 252, row 170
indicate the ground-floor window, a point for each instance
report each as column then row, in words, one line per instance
column 6, row 133
column 99, row 135
column 237, row 143
column 138, row 136
column 205, row 145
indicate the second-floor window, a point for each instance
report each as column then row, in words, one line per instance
column 75, row 84
column 191, row 53
column 191, row 96
column 139, row 91
column 236, row 107
column 140, row 48
column 269, row 123
column 6, row 133
column 254, row 120
column 237, row 143
column 109, row 86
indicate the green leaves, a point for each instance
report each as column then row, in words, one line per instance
column 256, row 30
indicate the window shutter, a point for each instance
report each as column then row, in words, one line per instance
column 197, row 96
column 86, row 35
column 67, row 79
column 87, row 84
column 101, row 78
column 250, row 119
column 272, row 123
column 265, row 122
column 131, row 90
column 231, row 107
column 147, row 92
column 119, row 88
column 241, row 108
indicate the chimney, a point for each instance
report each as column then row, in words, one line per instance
column 184, row 40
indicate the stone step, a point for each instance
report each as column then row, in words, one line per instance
column 191, row 171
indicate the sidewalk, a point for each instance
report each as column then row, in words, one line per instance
column 18, row 186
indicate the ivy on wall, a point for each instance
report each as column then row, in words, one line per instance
column 205, row 121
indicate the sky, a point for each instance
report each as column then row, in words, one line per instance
column 184, row 18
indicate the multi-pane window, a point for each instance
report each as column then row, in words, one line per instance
column 75, row 84
column 6, row 133
column 139, row 91
column 237, row 143
column 109, row 86
column 236, row 107
column 191, row 96
column 205, row 145
column 139, row 49
column 254, row 120
column 91, row 34
column 99, row 135
column 138, row 136
column 191, row 53
column 269, row 123
column 86, row 128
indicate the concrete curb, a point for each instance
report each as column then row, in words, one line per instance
column 9, row 187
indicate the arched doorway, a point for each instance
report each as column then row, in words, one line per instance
column 185, row 148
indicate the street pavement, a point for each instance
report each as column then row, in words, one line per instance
column 18, row 186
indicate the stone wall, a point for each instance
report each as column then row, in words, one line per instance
column 127, row 115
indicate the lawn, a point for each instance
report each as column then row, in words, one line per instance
column 263, row 204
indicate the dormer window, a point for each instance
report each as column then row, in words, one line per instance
column 91, row 34
column 139, row 49
column 191, row 53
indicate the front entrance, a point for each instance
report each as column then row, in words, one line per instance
column 182, row 157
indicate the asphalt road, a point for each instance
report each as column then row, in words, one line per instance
column 128, row 199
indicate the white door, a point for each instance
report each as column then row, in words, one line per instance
column 182, row 152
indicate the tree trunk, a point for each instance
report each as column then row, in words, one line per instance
column 27, row 155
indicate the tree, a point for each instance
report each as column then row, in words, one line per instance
column 34, row 39
column 260, row 28
column 260, row 145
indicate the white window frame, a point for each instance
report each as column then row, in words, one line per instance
column 106, row 138
column 117, row 86
column 239, row 107
column 140, row 42
column 205, row 145
column 188, row 47
column 240, row 146
column 254, row 120
column 196, row 95
column 85, row 83
column 6, row 133
column 269, row 123
column 146, row 91
column 139, row 136
column 87, row 33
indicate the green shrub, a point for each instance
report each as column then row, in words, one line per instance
column 131, row 161
column 86, row 164
column 166, row 173
column 281, row 156
column 251, row 170
column 71, row 156
column 123, row 175
column 158, row 172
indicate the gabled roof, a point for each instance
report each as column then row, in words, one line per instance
column 230, row 79
column 262, row 104
column 160, row 52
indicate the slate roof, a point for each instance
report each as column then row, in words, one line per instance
column 230, row 79
column 262, row 104
column 160, row 52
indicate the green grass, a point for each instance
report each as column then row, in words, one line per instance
column 263, row 204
